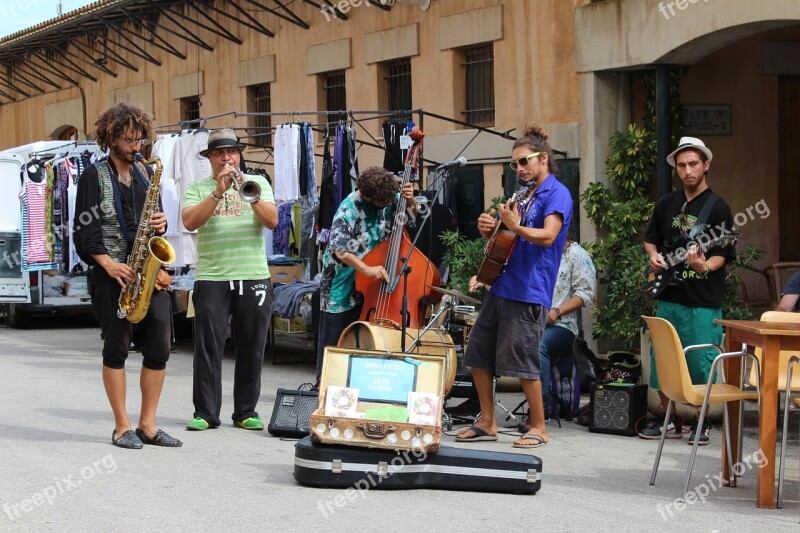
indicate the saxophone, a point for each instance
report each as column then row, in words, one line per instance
column 149, row 253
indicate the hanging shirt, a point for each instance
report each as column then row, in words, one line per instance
column 287, row 163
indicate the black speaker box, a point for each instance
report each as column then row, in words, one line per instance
column 292, row 413
column 617, row 408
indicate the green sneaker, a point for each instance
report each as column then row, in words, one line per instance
column 198, row 423
column 254, row 422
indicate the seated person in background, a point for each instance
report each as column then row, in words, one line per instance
column 790, row 299
column 574, row 290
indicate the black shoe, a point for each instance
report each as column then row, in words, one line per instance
column 159, row 439
column 469, row 407
column 653, row 430
column 128, row 440
column 705, row 435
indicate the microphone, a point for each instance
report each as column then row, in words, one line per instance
column 460, row 162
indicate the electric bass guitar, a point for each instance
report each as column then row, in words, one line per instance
column 499, row 247
column 657, row 283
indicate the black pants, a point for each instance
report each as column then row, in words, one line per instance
column 330, row 329
column 248, row 304
column 153, row 335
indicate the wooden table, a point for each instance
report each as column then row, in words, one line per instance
column 771, row 337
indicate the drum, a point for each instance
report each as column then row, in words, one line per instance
column 368, row 336
column 468, row 323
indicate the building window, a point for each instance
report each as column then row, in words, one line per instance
column 335, row 96
column 190, row 108
column 398, row 79
column 258, row 101
column 479, row 84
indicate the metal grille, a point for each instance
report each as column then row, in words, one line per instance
column 479, row 82
column 260, row 96
column 191, row 108
column 399, row 80
column 335, row 96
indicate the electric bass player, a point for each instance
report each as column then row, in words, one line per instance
column 506, row 336
column 693, row 213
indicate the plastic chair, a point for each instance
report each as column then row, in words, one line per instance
column 676, row 384
column 783, row 362
column 787, row 361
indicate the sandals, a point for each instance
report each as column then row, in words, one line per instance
column 128, row 440
column 159, row 439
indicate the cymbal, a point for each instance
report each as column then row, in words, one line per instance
column 457, row 294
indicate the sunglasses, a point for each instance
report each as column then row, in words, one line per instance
column 523, row 161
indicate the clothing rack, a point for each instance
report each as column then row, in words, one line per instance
column 76, row 144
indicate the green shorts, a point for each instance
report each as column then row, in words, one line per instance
column 695, row 325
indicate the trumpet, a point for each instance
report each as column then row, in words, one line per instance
column 249, row 191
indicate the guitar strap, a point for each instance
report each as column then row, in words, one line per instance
column 701, row 219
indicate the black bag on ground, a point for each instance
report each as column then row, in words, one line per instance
column 590, row 368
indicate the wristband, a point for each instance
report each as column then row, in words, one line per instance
column 558, row 311
column 215, row 197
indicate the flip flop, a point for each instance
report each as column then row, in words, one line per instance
column 538, row 439
column 480, row 435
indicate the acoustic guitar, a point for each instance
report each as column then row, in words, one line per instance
column 500, row 246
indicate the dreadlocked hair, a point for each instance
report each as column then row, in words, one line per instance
column 535, row 138
column 115, row 120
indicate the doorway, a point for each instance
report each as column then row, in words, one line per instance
column 789, row 166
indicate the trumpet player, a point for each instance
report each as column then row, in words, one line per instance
column 110, row 200
column 232, row 281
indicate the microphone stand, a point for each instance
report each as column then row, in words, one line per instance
column 405, row 269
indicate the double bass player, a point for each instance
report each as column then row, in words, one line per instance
column 362, row 221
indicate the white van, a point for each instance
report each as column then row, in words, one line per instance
column 34, row 292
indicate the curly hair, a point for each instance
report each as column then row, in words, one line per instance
column 378, row 185
column 116, row 119
column 535, row 138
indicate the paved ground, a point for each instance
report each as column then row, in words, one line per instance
column 60, row 471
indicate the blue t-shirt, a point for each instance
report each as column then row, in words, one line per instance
column 530, row 275
column 793, row 287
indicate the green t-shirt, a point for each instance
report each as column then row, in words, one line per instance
column 230, row 245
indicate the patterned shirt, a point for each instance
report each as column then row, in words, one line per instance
column 357, row 227
column 230, row 245
column 576, row 277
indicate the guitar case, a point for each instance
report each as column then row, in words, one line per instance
column 332, row 466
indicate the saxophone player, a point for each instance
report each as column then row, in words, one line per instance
column 110, row 200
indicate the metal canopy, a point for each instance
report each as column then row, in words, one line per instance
column 109, row 35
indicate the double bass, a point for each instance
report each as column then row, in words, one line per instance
column 383, row 300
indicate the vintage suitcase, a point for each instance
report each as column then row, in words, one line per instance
column 331, row 466
column 617, row 408
column 382, row 380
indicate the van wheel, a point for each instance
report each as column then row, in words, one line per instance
column 17, row 318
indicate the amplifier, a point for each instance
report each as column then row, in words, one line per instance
column 292, row 413
column 617, row 408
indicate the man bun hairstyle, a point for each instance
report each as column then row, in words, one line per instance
column 116, row 119
column 378, row 185
column 535, row 138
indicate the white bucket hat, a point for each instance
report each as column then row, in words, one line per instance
column 687, row 143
